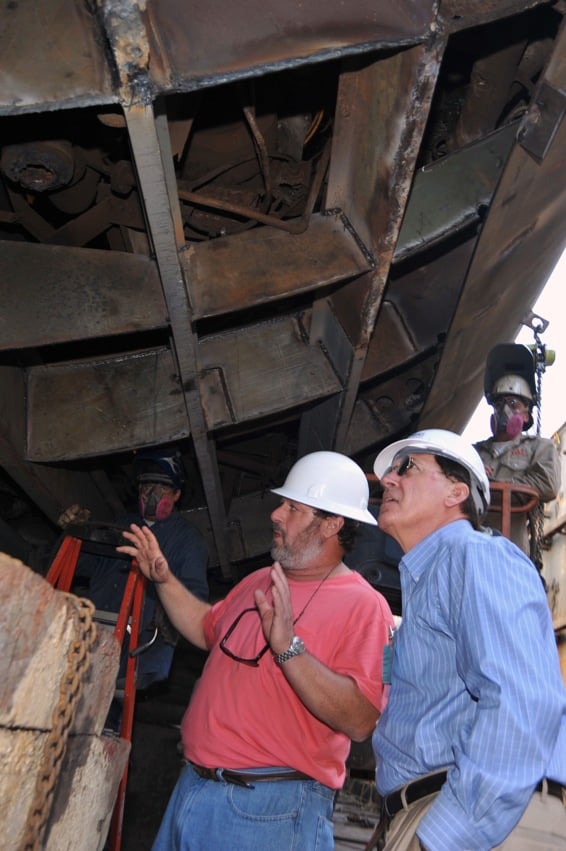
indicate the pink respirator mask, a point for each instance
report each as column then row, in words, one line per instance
column 507, row 421
column 156, row 501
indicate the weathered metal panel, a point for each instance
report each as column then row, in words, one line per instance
column 98, row 293
column 389, row 407
column 86, row 408
column 448, row 195
column 522, row 239
column 51, row 53
column 192, row 41
column 51, row 488
column 239, row 271
column 266, row 368
column 416, row 311
column 375, row 146
column 460, row 14
column 378, row 132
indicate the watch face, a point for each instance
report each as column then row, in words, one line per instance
column 297, row 645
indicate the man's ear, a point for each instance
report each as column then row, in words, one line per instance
column 332, row 525
column 176, row 495
column 458, row 493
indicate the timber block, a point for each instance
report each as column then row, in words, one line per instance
column 99, row 684
column 21, row 752
column 85, row 794
column 36, row 635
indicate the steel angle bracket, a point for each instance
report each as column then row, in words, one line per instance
column 542, row 121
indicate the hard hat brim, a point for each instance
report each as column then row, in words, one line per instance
column 432, row 442
column 360, row 514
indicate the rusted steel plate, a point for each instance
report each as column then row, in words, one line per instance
column 389, row 408
column 52, row 490
column 448, row 195
column 98, row 294
column 516, row 252
column 404, row 329
column 377, row 138
column 264, row 369
column 192, row 41
column 51, row 52
column 87, row 408
column 263, row 265
column 461, row 14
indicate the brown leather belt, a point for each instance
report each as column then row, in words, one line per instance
column 423, row 786
column 247, row 778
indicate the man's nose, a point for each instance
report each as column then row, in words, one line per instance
column 389, row 477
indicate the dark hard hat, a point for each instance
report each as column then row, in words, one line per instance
column 516, row 364
column 160, row 466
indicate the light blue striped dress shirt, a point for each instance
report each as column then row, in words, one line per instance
column 476, row 687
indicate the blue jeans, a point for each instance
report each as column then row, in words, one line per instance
column 282, row 815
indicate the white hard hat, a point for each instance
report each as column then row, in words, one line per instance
column 512, row 385
column 447, row 444
column 329, row 481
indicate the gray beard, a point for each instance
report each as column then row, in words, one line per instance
column 289, row 559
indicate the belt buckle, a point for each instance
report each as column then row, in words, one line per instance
column 227, row 776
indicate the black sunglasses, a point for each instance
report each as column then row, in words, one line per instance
column 253, row 662
column 403, row 466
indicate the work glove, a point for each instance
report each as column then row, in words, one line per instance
column 73, row 514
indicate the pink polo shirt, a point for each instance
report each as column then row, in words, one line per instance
column 246, row 717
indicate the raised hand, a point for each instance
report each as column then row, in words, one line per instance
column 276, row 620
column 145, row 549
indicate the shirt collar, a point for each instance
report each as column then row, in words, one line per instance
column 419, row 558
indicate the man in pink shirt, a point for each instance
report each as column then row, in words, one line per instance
column 295, row 672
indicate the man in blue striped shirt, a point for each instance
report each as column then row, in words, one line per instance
column 471, row 748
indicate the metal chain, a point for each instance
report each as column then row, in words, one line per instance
column 537, row 515
column 540, row 366
column 78, row 662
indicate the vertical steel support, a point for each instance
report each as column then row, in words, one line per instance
column 151, row 148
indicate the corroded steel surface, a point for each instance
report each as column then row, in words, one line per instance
column 255, row 271
column 198, row 42
column 257, row 229
column 51, row 53
column 97, row 294
column 71, row 406
column 236, row 225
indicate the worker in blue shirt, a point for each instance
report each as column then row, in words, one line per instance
column 471, row 748
column 160, row 481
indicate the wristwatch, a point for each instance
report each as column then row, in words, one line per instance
column 296, row 647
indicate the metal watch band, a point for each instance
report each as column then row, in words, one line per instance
column 295, row 649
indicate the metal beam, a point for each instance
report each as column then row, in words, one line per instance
column 154, row 162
